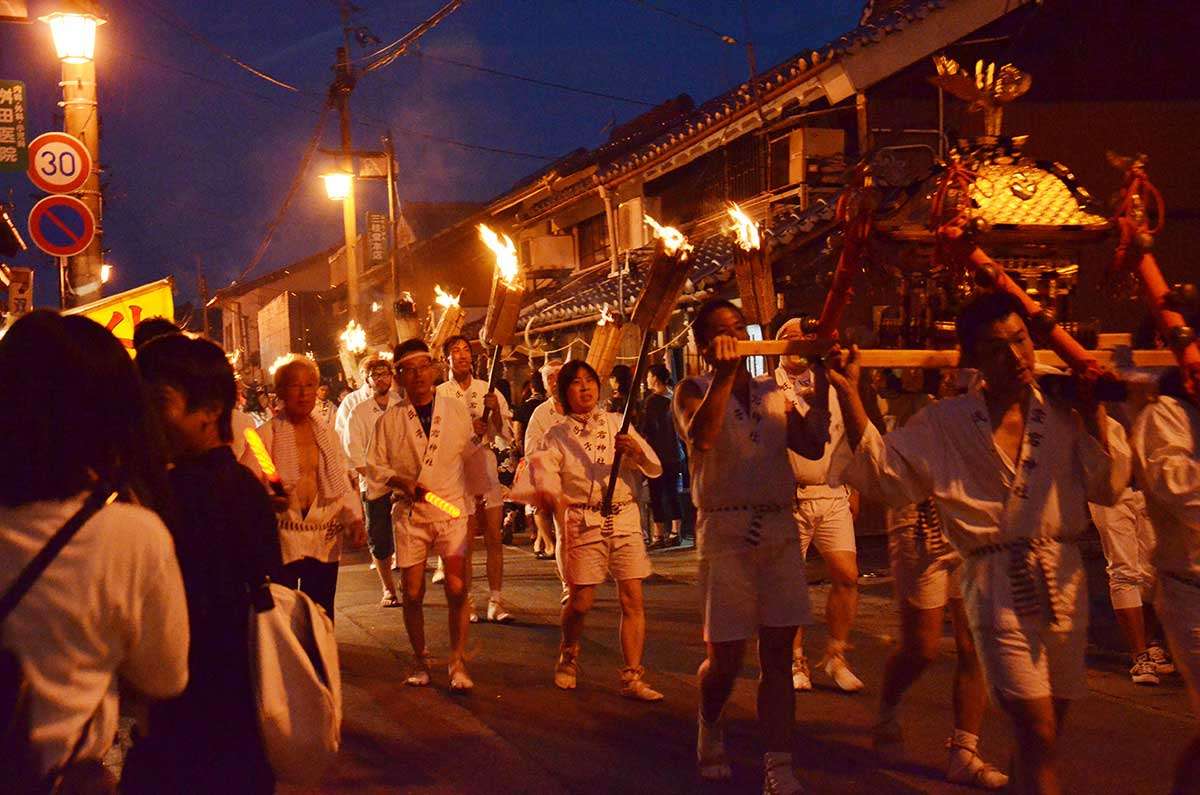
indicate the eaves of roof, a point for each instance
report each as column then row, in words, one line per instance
column 236, row 290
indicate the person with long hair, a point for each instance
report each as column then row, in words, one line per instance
column 111, row 603
column 658, row 426
column 568, row 476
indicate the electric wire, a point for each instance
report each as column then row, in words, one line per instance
column 685, row 20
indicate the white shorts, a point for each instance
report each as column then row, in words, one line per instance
column 1178, row 606
column 586, row 556
column 763, row 586
column 1128, row 541
column 825, row 521
column 483, row 479
column 1033, row 661
column 926, row 571
column 415, row 540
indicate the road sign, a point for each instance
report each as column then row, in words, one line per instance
column 62, row 226
column 58, row 163
column 14, row 154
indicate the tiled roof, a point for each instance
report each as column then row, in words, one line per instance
column 621, row 156
column 712, row 266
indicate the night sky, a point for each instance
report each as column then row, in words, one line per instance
column 199, row 154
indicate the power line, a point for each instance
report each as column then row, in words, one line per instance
column 179, row 24
column 533, row 80
column 379, row 59
column 685, row 20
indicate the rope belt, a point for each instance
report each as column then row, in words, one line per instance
column 1029, row 572
column 617, row 507
column 757, row 512
column 330, row 529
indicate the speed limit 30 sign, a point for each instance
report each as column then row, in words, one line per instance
column 58, row 163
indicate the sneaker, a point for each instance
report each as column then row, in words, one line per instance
column 778, row 776
column 460, row 682
column 835, row 668
column 1144, row 671
column 801, row 678
column 633, row 686
column 711, row 759
column 968, row 768
column 1161, row 659
column 472, row 616
column 496, row 612
column 420, row 672
column 566, row 670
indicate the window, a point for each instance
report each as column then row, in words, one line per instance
column 593, row 241
column 757, row 365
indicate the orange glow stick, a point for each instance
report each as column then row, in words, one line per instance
column 264, row 460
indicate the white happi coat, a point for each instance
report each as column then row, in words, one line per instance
column 437, row 462
column 486, row 480
column 813, row 476
column 359, row 431
column 1014, row 523
column 573, row 462
column 317, row 533
column 743, row 487
column 341, row 418
column 544, row 417
column 1166, row 444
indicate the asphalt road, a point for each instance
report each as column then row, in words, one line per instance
column 516, row 733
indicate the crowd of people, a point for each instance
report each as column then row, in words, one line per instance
column 161, row 523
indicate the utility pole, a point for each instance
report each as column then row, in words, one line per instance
column 81, row 119
column 339, row 95
column 202, row 291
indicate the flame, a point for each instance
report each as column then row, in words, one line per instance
column 605, row 316
column 255, row 442
column 280, row 361
column 443, row 298
column 506, row 256
column 673, row 240
column 745, row 229
column 354, row 337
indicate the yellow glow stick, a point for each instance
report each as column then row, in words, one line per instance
column 443, row 505
column 264, row 460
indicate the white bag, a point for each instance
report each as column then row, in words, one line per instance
column 294, row 663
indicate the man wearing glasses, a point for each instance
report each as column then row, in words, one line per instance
column 421, row 448
column 376, row 497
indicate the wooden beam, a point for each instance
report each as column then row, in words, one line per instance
column 885, row 357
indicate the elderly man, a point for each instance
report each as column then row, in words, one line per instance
column 320, row 506
column 1011, row 472
column 496, row 432
column 422, row 446
column 823, row 518
column 376, row 497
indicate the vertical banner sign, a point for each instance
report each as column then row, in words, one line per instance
column 14, row 150
column 377, row 239
column 20, row 291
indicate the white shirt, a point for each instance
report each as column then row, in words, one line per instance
column 342, row 418
column 359, row 431
column 947, row 452
column 437, row 462
column 111, row 604
column 812, row 475
column 544, row 417
column 501, row 433
column 325, row 411
column 1166, row 445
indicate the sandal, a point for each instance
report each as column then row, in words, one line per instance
column 460, row 682
column 389, row 600
column 420, row 672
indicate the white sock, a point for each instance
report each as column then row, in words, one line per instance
column 964, row 740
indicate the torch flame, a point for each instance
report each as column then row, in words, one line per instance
column 506, row 255
column 605, row 316
column 354, row 337
column 745, row 229
column 443, row 298
column 673, row 240
column 255, row 443
column 280, row 361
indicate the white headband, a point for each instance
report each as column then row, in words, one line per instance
column 788, row 324
column 415, row 354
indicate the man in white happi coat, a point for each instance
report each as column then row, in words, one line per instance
column 1010, row 472
column 424, row 445
column 376, row 496
column 823, row 518
column 1166, row 443
column 738, row 431
column 496, row 433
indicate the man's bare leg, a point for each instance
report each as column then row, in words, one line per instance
column 717, row 674
column 920, row 633
column 545, row 532
column 970, row 689
column 776, row 701
column 413, row 598
column 839, row 615
column 1036, row 724
column 458, row 586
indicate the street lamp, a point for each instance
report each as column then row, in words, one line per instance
column 74, row 32
column 74, row 35
column 339, row 186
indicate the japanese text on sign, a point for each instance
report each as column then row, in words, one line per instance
column 14, row 151
column 377, row 239
column 122, row 312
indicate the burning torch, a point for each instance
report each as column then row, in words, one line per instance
column 451, row 321
column 606, row 342
column 756, row 283
column 664, row 282
column 508, row 288
column 354, row 342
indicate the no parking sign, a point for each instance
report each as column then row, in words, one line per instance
column 61, row 226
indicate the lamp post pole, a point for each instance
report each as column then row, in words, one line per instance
column 343, row 84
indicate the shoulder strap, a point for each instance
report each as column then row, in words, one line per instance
column 29, row 575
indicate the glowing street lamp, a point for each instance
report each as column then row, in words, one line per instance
column 106, row 272
column 74, row 35
column 338, row 185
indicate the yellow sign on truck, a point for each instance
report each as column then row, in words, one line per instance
column 121, row 312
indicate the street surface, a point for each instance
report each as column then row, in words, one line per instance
column 517, row 733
